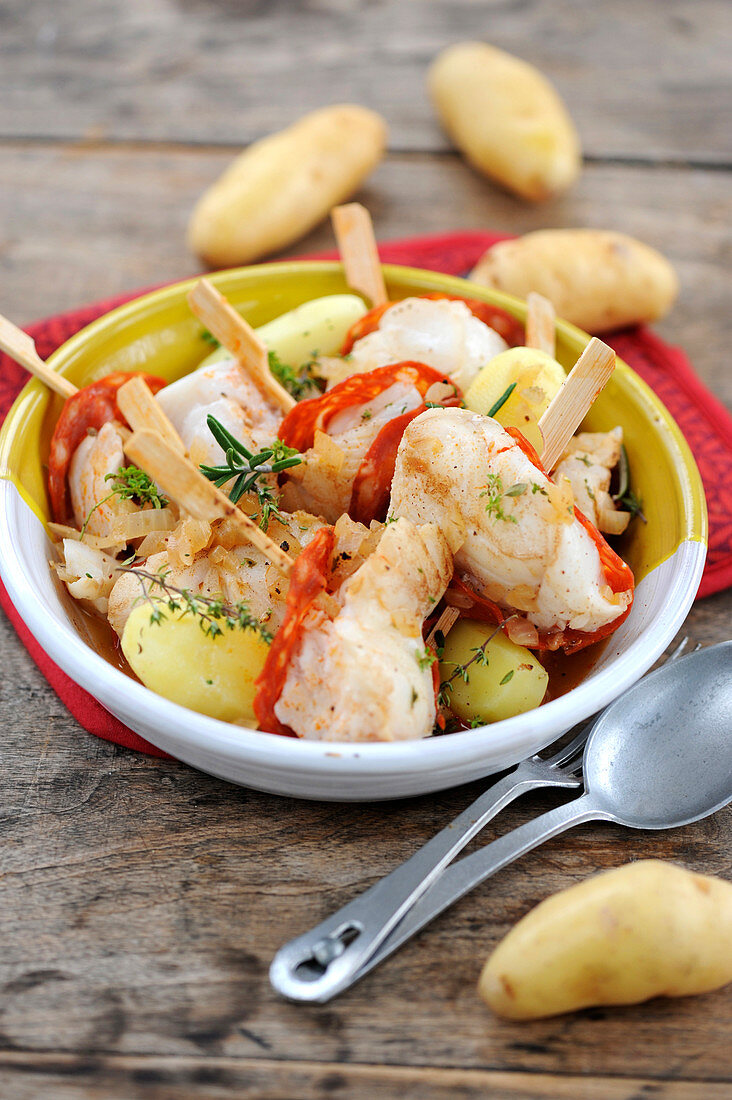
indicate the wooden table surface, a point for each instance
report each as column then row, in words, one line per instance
column 142, row 901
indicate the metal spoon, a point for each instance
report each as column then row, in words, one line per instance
column 659, row 757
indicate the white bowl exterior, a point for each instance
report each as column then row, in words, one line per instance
column 327, row 770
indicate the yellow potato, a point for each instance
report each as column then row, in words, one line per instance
column 647, row 929
column 284, row 184
column 320, row 325
column 507, row 119
column 509, row 682
column 174, row 658
column 538, row 379
column 596, row 279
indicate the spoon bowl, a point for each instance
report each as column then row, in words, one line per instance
column 661, row 755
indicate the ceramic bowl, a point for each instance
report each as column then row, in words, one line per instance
column 157, row 333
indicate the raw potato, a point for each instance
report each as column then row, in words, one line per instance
column 320, row 325
column 595, row 278
column 538, row 378
column 175, row 659
column 647, row 929
column 507, row 119
column 510, row 683
column 282, row 186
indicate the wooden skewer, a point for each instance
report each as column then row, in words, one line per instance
column 183, row 483
column 444, row 624
column 354, row 233
column 238, row 337
column 540, row 324
column 136, row 402
column 570, row 405
column 20, row 347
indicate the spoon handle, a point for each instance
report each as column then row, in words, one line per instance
column 462, row 877
column 344, row 942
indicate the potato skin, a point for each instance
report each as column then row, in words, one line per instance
column 643, row 930
column 175, row 659
column 507, row 119
column 284, row 184
column 596, row 279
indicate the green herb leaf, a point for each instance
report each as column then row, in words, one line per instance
column 211, row 611
column 245, row 469
column 129, row 483
column 425, row 659
column 495, row 493
column 625, row 497
column 299, row 383
column 516, row 490
column 502, row 400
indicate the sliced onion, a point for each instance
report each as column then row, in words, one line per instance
column 190, row 536
column 458, row 599
column 88, row 573
column 612, row 521
column 153, row 543
column 138, row 524
column 522, row 632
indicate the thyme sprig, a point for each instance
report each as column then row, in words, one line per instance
column 245, row 469
column 479, row 657
column 129, row 483
column 211, row 611
column 495, row 493
column 299, row 383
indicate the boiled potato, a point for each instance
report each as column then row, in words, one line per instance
column 320, row 325
column 284, row 184
column 644, row 930
column 538, row 379
column 594, row 278
column 509, row 681
column 175, row 659
column 507, row 119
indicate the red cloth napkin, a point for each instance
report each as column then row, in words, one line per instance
column 703, row 420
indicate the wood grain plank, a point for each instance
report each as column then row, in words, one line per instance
column 223, row 72
column 105, row 220
column 67, row 1077
column 142, row 903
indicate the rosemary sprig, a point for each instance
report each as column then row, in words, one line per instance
column 129, row 483
column 501, row 400
column 211, row 611
column 299, row 383
column 245, row 469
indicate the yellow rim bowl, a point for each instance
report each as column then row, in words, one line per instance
column 157, row 333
